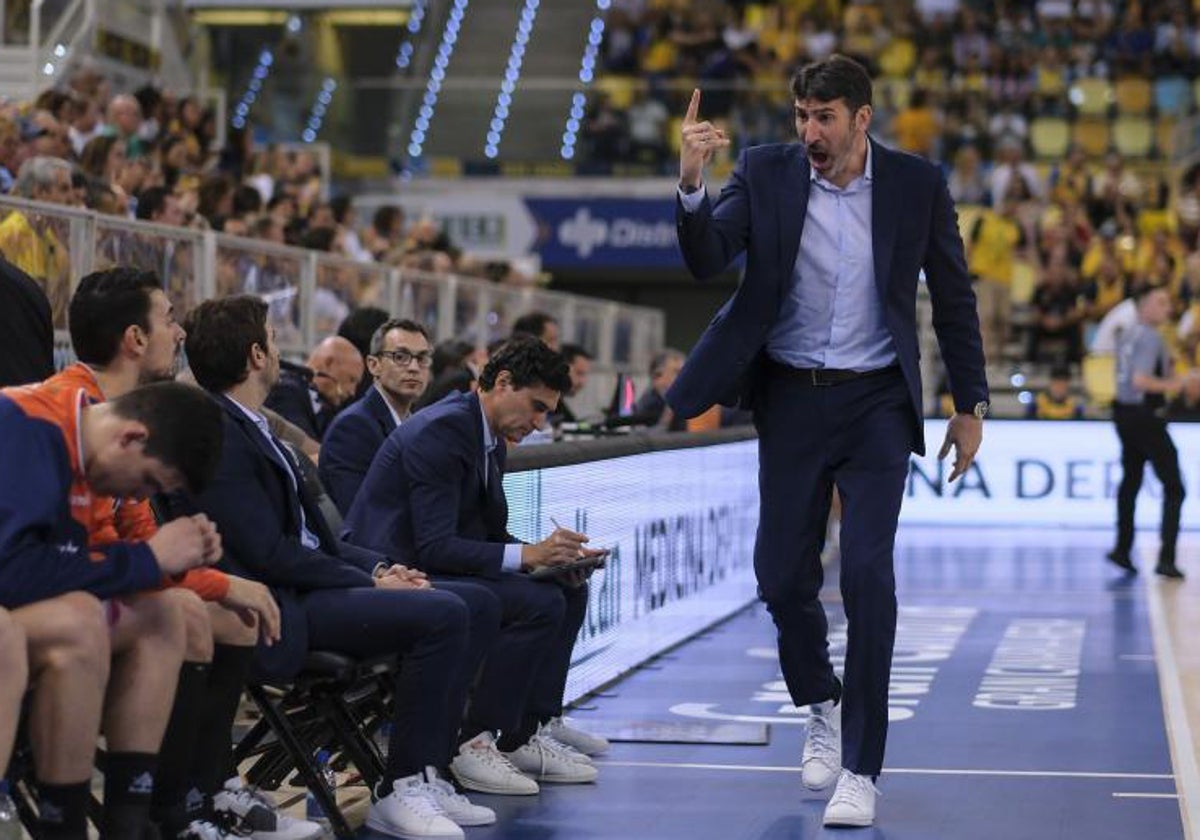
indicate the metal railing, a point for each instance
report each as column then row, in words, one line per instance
column 309, row 292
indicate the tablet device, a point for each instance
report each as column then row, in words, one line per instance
column 582, row 564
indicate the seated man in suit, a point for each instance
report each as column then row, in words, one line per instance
column 434, row 499
column 398, row 360
column 332, row 596
column 310, row 396
column 652, row 404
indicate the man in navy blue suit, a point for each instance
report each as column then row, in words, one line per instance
column 434, row 499
column 332, row 596
column 820, row 340
column 398, row 360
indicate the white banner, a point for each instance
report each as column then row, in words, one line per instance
column 1042, row 472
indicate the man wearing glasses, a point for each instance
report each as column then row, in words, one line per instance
column 399, row 361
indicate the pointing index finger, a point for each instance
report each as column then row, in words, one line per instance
column 693, row 111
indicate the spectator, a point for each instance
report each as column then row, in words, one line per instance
column 31, row 242
column 540, row 325
column 651, row 408
column 1056, row 402
column 579, row 365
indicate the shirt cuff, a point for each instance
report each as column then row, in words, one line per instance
column 512, row 557
column 691, row 201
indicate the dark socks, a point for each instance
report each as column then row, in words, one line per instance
column 63, row 811
column 213, row 762
column 128, row 787
column 173, row 784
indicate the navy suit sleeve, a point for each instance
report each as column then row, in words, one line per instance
column 436, row 475
column 346, row 456
column 291, row 401
column 252, row 525
column 712, row 237
column 43, row 553
column 955, row 317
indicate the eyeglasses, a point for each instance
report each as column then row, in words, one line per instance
column 403, row 357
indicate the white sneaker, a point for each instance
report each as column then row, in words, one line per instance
column 480, row 766
column 409, row 811
column 251, row 813
column 822, row 759
column 584, row 742
column 204, row 830
column 853, row 801
column 456, row 806
column 549, row 761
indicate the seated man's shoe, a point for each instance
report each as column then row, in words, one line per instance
column 1121, row 560
column 251, row 813
column 822, row 758
column 409, row 811
column 204, row 830
column 480, row 766
column 853, row 801
column 584, row 742
column 1169, row 570
column 456, row 806
column 546, row 760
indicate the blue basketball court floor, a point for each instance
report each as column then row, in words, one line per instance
column 1025, row 705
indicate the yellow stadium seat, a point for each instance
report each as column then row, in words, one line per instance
column 1100, row 377
column 619, row 89
column 1133, row 136
column 1092, row 136
column 1050, row 137
column 1024, row 282
column 1091, row 96
column 1133, row 95
column 1164, row 136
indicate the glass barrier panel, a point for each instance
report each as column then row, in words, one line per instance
column 419, row 300
column 623, row 352
column 39, row 245
column 247, row 267
column 343, row 285
column 508, row 304
column 468, row 301
column 587, row 326
column 174, row 258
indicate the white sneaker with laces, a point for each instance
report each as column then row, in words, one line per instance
column 409, row 811
column 204, row 830
column 822, row 759
column 560, row 730
column 251, row 813
column 480, row 766
column 456, row 806
column 546, row 760
column 853, row 801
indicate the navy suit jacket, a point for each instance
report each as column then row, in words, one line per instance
column 424, row 500
column 761, row 212
column 257, row 508
column 350, row 444
column 292, row 399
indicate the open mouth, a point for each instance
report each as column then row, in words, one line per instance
column 819, row 158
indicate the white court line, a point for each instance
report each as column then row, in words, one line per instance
column 1179, row 733
column 902, row 771
column 1137, row 657
column 1145, row 796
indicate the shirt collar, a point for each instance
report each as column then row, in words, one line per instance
column 391, row 409
column 255, row 418
column 868, row 172
column 489, row 439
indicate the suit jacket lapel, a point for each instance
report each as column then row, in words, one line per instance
column 885, row 211
column 263, row 446
column 793, row 205
column 379, row 410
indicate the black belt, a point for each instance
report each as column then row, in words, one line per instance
column 824, row 376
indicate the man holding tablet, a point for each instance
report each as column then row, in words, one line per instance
column 434, row 500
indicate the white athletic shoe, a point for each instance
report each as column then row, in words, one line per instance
column 480, row 766
column 822, row 760
column 410, row 812
column 456, row 806
column 546, row 760
column 853, row 801
column 251, row 813
column 560, row 730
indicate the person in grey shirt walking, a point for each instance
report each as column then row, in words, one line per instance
column 1144, row 377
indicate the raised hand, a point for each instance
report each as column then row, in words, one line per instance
column 699, row 143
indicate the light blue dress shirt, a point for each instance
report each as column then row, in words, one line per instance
column 832, row 316
column 512, row 551
column 307, row 538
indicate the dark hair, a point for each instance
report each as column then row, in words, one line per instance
column 571, row 352
column 94, row 156
column 151, row 201
column 246, row 199
column 529, row 362
column 387, row 326
column 183, row 425
column 451, row 353
column 105, row 305
column 340, row 205
column 532, row 323
column 837, row 77
column 1060, row 372
column 359, row 326
column 220, row 334
column 318, row 239
column 384, row 218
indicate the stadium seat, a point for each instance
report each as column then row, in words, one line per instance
column 1091, row 96
column 1024, row 282
column 1133, row 95
column 1050, row 138
column 1164, row 136
column 1100, row 377
column 1172, row 96
column 1092, row 136
column 1133, row 137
